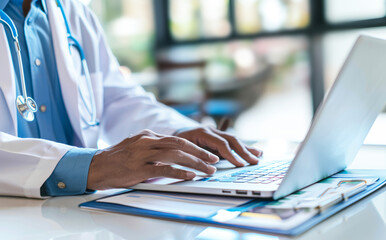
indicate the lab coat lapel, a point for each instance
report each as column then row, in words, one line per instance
column 7, row 82
column 65, row 66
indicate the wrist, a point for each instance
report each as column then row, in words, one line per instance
column 93, row 173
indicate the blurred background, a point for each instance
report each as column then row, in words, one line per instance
column 266, row 64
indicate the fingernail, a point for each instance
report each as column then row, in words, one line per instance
column 214, row 158
column 242, row 164
column 212, row 169
column 256, row 161
column 190, row 175
column 254, row 157
column 259, row 151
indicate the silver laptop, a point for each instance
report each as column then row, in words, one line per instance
column 333, row 140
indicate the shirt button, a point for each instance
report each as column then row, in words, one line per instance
column 38, row 62
column 29, row 21
column 43, row 108
column 61, row 185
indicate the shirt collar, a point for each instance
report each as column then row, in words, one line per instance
column 44, row 4
column 4, row 3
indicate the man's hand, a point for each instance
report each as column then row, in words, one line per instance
column 147, row 155
column 221, row 144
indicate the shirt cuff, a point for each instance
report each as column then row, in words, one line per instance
column 70, row 175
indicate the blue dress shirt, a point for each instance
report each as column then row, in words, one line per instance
column 42, row 82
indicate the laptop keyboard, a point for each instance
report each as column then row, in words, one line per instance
column 268, row 174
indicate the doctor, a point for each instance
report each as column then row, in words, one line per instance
column 61, row 91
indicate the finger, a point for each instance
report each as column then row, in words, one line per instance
column 255, row 151
column 178, row 143
column 239, row 148
column 221, row 145
column 224, row 123
column 184, row 159
column 170, row 172
column 215, row 152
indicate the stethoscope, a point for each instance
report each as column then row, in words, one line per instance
column 26, row 105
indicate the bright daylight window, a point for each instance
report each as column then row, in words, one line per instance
column 254, row 16
column 338, row 12
column 130, row 31
column 197, row 19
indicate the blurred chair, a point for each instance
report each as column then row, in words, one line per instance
column 202, row 105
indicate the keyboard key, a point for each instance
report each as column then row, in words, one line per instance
column 231, row 179
column 203, row 179
column 272, row 173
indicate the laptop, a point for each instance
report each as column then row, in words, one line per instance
column 337, row 132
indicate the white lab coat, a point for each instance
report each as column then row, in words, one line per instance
column 123, row 107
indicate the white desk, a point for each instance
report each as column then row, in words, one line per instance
column 60, row 218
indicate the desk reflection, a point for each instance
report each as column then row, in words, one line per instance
column 364, row 220
column 61, row 218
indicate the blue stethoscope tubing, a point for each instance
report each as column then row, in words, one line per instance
column 26, row 105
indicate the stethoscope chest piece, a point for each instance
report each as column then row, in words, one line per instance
column 26, row 107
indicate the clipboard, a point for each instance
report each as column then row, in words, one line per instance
column 348, row 199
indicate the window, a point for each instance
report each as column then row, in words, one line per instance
column 200, row 19
column 130, row 31
column 197, row 19
column 337, row 11
column 253, row 16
